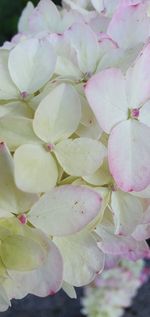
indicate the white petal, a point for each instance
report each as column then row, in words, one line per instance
column 145, row 193
column 138, row 77
column 129, row 26
column 35, row 169
column 13, row 289
column 109, row 7
column 105, row 193
column 81, row 156
column 142, row 232
column 101, row 177
column 7, row 88
column 119, row 58
column 82, row 258
column 98, row 5
column 45, row 17
column 77, row 5
column 31, row 64
column 45, row 280
column 92, row 132
column 67, row 68
column 16, row 131
column 65, row 210
column 36, row 99
column 126, row 207
column 125, row 246
column 144, row 114
column 128, row 155
column 85, row 44
column 11, row 199
column 69, row 290
column 23, row 25
column 4, row 299
column 70, row 17
column 17, row 108
column 21, row 253
column 58, row 114
column 108, row 103
column 66, row 65
column 88, row 127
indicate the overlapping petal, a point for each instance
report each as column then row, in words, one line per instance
column 138, row 77
column 108, row 103
column 82, row 258
column 45, row 17
column 125, row 206
column 35, row 168
column 101, row 177
column 126, row 18
column 16, row 108
column 31, row 64
column 85, row 155
column 128, row 155
column 45, row 280
column 17, row 130
column 85, row 44
column 58, row 115
column 21, row 253
column 65, row 210
column 23, row 24
column 12, row 200
column 144, row 114
column 127, row 247
column 8, row 90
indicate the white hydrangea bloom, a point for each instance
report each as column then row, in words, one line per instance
column 74, row 146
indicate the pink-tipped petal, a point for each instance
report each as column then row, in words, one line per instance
column 130, row 25
column 138, row 78
column 129, row 155
column 65, row 210
column 106, row 95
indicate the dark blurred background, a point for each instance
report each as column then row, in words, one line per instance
column 10, row 11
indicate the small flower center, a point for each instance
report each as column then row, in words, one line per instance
column 49, row 147
column 1, row 145
column 134, row 113
column 24, row 94
column 22, row 218
column 113, row 187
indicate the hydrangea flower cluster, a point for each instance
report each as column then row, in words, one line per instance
column 107, row 297
column 74, row 144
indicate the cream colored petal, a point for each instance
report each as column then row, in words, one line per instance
column 7, row 88
column 69, row 290
column 46, row 279
column 65, row 210
column 31, row 64
column 126, row 207
column 16, row 131
column 101, row 177
column 35, row 169
column 82, row 258
column 12, row 200
column 21, row 253
column 58, row 115
column 16, row 108
column 81, row 156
